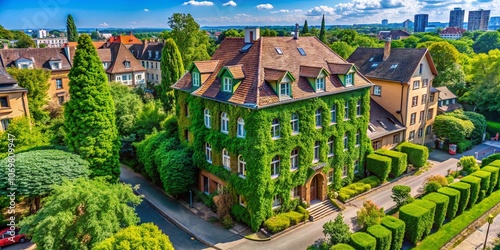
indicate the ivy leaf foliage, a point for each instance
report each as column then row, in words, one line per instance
column 144, row 236
column 90, row 113
column 81, row 213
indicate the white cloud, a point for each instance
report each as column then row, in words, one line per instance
column 104, row 24
column 266, row 6
column 280, row 11
column 198, row 3
column 320, row 10
column 146, row 10
column 134, row 22
column 230, row 3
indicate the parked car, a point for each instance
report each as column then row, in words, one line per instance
column 5, row 235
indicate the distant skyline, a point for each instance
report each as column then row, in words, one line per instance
column 50, row 14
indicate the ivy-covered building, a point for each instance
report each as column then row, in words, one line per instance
column 275, row 119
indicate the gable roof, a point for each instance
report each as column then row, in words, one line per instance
column 120, row 54
column 445, row 93
column 262, row 64
column 8, row 83
column 206, row 66
column 39, row 56
column 125, row 39
column 383, row 122
column 393, row 34
column 310, row 72
column 371, row 64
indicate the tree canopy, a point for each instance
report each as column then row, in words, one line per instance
column 486, row 42
column 71, row 30
column 23, row 40
column 128, row 105
column 144, row 236
column 455, row 129
column 81, row 213
column 26, row 136
column 337, row 231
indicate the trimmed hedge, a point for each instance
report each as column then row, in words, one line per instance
column 382, row 235
column 399, row 161
column 352, row 190
column 464, row 189
column 417, row 154
column 454, row 198
column 414, row 218
column 277, row 223
column 441, row 201
column 363, row 241
column 342, row 246
column 379, row 165
column 303, row 211
column 485, row 179
column 373, row 181
column 429, row 218
column 495, row 163
column 397, row 228
column 294, row 217
column 475, row 187
column 494, row 177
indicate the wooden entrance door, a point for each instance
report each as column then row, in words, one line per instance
column 314, row 188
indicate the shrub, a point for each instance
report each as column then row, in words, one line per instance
column 454, row 198
column 370, row 214
column 432, row 186
column 382, row 235
column 464, row 189
column 227, row 221
column 352, row 190
column 337, row 231
column 363, row 241
column 429, row 218
column 441, row 201
column 373, row 181
column 277, row 223
column 399, row 161
column 475, row 186
column 438, row 178
column 417, row 154
column 450, row 179
column 485, row 179
column 294, row 217
column 492, row 160
column 401, row 195
column 379, row 165
column 397, row 228
column 468, row 164
column 342, row 246
column 493, row 178
column 414, row 218
column 303, row 211
column 463, row 145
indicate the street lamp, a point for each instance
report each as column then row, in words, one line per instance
column 489, row 219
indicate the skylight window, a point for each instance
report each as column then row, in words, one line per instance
column 374, row 65
column 394, row 66
column 246, row 48
column 301, row 51
column 371, row 58
column 371, row 127
column 382, row 124
column 279, row 51
column 392, row 120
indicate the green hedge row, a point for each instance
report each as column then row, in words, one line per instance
column 464, row 189
column 363, row 241
column 429, row 218
column 352, row 190
column 399, row 161
column 373, row 181
column 382, row 235
column 454, row 198
column 282, row 221
column 414, row 218
column 397, row 228
column 485, row 179
column 441, row 201
column 379, row 165
column 342, row 246
column 494, row 177
column 475, row 186
column 496, row 162
column 417, row 154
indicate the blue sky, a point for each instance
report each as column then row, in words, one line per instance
column 19, row 14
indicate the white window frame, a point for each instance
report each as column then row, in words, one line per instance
column 294, row 159
column 284, row 89
column 330, row 177
column 425, row 83
column 344, row 171
column 333, row 114
column 242, row 166
column 331, row 146
column 377, row 90
column 348, row 80
column 57, row 83
column 294, row 122
column 227, row 84
column 226, row 159
column 240, row 129
column 420, row 132
column 275, row 129
column 416, row 84
column 358, row 108
column 346, row 142
column 346, row 110
column 317, row 118
column 294, row 193
column 414, row 101
column 413, row 118
column 424, row 99
column 208, row 121
column 277, row 202
column 208, row 152
column 224, row 122
column 320, row 84
column 356, row 166
column 196, row 79
column 411, row 137
column 275, row 166
column 316, row 151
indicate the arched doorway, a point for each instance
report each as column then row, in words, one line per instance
column 316, row 189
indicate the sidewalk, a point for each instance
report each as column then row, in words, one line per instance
column 204, row 231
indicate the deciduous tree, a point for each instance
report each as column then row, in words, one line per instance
column 452, row 128
column 337, row 231
column 486, row 42
column 128, row 105
column 370, row 214
column 144, row 236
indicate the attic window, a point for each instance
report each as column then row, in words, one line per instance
column 246, row 48
column 382, row 124
column 149, row 54
column 301, row 51
column 127, row 64
column 371, row 128
column 374, row 65
column 278, row 50
column 157, row 54
column 391, row 120
column 394, row 66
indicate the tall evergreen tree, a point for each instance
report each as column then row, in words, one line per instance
column 322, row 32
column 90, row 113
column 71, row 29
column 305, row 29
column 172, row 69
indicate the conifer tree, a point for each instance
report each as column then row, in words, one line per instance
column 305, row 29
column 322, row 32
column 172, row 69
column 90, row 113
column 71, row 29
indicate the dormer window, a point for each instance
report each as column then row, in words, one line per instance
column 196, row 79
column 227, row 84
column 348, row 80
column 149, row 54
column 127, row 64
column 320, row 84
column 157, row 54
column 55, row 65
column 284, row 89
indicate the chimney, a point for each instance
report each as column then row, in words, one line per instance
column 130, row 33
column 296, row 34
column 251, row 34
column 387, row 48
column 5, row 46
column 67, row 51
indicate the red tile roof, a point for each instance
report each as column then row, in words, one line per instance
column 125, row 39
column 206, row 66
column 262, row 64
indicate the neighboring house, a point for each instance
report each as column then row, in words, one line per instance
column 149, row 54
column 452, row 33
column 384, row 130
column 52, row 59
column 51, row 42
column 276, row 119
column 393, row 34
column 13, row 100
column 402, row 81
column 127, row 40
column 447, row 100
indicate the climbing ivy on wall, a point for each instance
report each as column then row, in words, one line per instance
column 258, row 148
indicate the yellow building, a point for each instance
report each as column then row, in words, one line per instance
column 13, row 100
column 402, row 81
